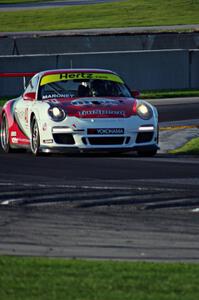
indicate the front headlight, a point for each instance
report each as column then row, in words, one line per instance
column 57, row 113
column 144, row 111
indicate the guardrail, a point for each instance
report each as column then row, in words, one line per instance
column 144, row 70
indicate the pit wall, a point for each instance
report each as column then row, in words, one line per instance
column 142, row 70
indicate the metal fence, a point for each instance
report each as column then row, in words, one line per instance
column 143, row 70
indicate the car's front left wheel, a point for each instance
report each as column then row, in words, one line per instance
column 35, row 137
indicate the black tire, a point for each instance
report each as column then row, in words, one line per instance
column 147, row 153
column 4, row 135
column 35, row 137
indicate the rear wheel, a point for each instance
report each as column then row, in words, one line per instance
column 4, row 134
column 35, row 137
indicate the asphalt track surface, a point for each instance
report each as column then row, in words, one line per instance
column 102, row 206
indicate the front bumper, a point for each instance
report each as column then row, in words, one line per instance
column 100, row 135
column 45, row 149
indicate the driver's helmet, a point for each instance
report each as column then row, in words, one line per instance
column 98, row 88
column 83, row 91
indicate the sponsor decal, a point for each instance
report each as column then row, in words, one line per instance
column 26, row 116
column 103, row 112
column 20, row 114
column 14, row 140
column 83, row 76
column 47, row 141
column 52, row 96
column 105, row 131
column 13, row 133
column 44, row 127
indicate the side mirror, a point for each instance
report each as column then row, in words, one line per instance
column 135, row 94
column 29, row 96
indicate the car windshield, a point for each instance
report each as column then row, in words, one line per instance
column 80, row 85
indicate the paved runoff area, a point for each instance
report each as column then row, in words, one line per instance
column 176, row 134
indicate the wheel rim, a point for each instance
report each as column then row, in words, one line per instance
column 4, row 134
column 35, row 138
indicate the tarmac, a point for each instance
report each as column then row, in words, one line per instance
column 176, row 136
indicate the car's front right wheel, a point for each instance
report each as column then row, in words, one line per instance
column 35, row 137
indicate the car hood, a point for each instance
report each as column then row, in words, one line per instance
column 94, row 107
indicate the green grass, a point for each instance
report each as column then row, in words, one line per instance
column 191, row 148
column 118, row 14
column 3, row 100
column 169, row 94
column 43, row 278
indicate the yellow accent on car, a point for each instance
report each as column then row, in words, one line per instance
column 72, row 76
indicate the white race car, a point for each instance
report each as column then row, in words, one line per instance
column 79, row 109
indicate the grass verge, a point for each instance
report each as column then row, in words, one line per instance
column 3, row 100
column 190, row 148
column 119, row 14
column 43, row 278
column 169, row 94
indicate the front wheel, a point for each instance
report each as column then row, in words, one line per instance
column 35, row 137
column 4, row 134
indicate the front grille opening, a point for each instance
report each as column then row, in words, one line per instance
column 64, row 138
column 127, row 139
column 106, row 140
column 84, row 141
column 144, row 137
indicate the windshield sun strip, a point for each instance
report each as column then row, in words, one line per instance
column 46, row 79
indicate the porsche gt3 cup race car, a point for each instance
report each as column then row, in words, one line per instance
column 79, row 109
